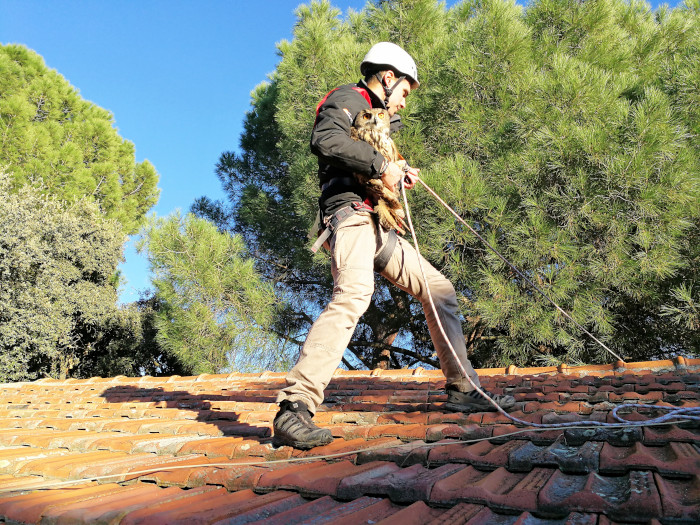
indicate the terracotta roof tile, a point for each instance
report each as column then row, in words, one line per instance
column 184, row 473
column 464, row 513
column 377, row 511
column 671, row 433
column 402, row 484
column 159, row 510
column 257, row 508
column 417, row 513
column 569, row 459
column 672, row 459
column 311, row 479
column 499, row 488
column 407, row 454
column 631, row 497
column 12, row 460
column 350, row 431
column 29, row 508
column 352, row 447
column 483, row 455
column 107, row 506
column 212, row 447
column 305, row 511
column 20, row 484
column 681, row 500
column 329, row 510
column 218, row 504
column 197, row 449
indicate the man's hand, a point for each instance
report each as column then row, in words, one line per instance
column 410, row 176
column 394, row 173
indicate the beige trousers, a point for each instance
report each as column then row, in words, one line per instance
column 352, row 263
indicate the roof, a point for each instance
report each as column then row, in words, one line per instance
column 179, row 449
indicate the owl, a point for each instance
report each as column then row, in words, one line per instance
column 372, row 126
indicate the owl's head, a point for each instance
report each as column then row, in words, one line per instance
column 376, row 118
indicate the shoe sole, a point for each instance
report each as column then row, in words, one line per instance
column 464, row 408
column 301, row 445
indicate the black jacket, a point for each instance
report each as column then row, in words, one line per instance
column 338, row 155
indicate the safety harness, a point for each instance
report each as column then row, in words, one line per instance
column 332, row 222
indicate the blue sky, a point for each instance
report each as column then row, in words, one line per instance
column 176, row 74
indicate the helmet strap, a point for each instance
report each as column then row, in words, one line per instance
column 388, row 90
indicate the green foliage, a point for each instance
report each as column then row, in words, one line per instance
column 57, row 265
column 127, row 345
column 71, row 191
column 589, row 173
column 214, row 309
column 564, row 132
column 52, row 137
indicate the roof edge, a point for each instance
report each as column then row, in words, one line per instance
column 678, row 363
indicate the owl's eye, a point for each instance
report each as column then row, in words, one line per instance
column 380, row 115
column 367, row 116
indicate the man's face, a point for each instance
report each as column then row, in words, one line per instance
column 397, row 100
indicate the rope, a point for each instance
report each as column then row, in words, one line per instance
column 164, row 468
column 513, row 267
column 675, row 414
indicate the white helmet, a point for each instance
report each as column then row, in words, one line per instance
column 386, row 55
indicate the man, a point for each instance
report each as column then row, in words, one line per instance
column 359, row 246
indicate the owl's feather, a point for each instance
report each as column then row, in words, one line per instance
column 372, row 126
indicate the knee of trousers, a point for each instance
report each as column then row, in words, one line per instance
column 353, row 295
column 352, row 303
column 442, row 291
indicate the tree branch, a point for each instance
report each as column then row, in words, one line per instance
column 396, row 349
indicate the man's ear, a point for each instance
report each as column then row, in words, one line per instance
column 389, row 78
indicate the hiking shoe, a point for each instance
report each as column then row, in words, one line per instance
column 474, row 402
column 293, row 426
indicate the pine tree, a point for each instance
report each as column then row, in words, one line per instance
column 564, row 133
column 586, row 175
column 214, row 309
column 59, row 253
column 53, row 138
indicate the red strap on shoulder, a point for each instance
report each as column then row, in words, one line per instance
column 360, row 90
column 363, row 92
